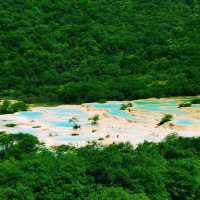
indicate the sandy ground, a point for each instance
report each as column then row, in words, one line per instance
column 109, row 128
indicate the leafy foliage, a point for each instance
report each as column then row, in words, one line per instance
column 7, row 107
column 126, row 105
column 195, row 101
column 110, row 50
column 76, row 126
column 165, row 119
column 11, row 125
column 182, row 105
column 168, row 170
column 94, row 120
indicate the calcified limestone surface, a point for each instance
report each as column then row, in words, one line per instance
column 53, row 125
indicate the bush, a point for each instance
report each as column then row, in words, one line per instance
column 10, row 125
column 76, row 126
column 94, row 120
column 185, row 105
column 195, row 101
column 74, row 134
column 37, row 126
column 165, row 119
column 7, row 107
column 19, row 106
column 125, row 106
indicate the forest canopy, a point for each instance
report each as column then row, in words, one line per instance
column 96, row 50
column 169, row 170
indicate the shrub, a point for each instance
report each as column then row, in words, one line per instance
column 11, row 125
column 7, row 107
column 185, row 105
column 195, row 101
column 76, row 126
column 74, row 134
column 19, row 106
column 36, row 126
column 165, row 119
column 94, row 119
column 125, row 106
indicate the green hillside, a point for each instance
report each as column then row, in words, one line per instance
column 169, row 170
column 90, row 50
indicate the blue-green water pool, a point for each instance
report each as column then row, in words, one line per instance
column 184, row 122
column 169, row 107
column 114, row 109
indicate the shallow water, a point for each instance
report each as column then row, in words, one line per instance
column 63, row 124
column 196, row 105
column 114, row 109
column 24, row 130
column 67, row 112
column 55, row 123
column 184, row 122
column 30, row 114
column 169, row 107
column 77, row 138
column 61, row 115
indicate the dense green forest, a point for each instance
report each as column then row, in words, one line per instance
column 169, row 170
column 94, row 50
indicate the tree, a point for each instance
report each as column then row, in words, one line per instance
column 113, row 193
column 19, row 106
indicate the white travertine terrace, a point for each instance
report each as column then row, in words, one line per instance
column 51, row 124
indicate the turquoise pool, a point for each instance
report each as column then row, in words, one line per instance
column 54, row 111
column 63, row 116
column 30, row 114
column 67, row 112
column 184, row 122
column 24, row 130
column 170, row 107
column 196, row 105
column 113, row 109
column 77, row 138
column 63, row 124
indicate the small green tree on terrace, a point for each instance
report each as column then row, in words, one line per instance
column 19, row 106
column 165, row 119
column 5, row 107
column 125, row 106
column 94, row 120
